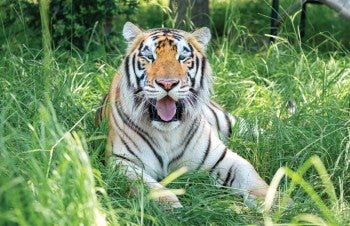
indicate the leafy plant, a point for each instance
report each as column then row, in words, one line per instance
column 79, row 23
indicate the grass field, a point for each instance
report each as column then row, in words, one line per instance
column 51, row 153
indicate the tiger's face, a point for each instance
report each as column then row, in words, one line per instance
column 168, row 72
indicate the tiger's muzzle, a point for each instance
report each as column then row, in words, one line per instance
column 166, row 94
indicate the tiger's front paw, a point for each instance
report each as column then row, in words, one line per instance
column 265, row 201
column 278, row 200
column 172, row 201
column 165, row 196
column 255, row 197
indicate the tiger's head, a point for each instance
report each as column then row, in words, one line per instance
column 167, row 74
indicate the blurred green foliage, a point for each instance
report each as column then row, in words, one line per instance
column 80, row 23
column 95, row 25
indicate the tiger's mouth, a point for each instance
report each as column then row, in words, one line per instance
column 165, row 110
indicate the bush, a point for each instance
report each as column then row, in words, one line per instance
column 79, row 23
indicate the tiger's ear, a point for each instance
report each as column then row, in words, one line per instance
column 202, row 35
column 131, row 31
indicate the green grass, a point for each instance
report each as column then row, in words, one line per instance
column 51, row 155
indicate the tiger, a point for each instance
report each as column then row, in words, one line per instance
column 160, row 116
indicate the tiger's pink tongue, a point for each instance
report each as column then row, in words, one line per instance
column 166, row 108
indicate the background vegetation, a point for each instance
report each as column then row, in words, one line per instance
column 51, row 153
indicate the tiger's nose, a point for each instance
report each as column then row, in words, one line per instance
column 167, row 84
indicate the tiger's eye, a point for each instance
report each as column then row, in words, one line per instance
column 182, row 57
column 150, row 56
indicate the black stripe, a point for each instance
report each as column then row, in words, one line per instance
column 140, row 47
column 122, row 157
column 219, row 160
column 173, row 32
column 133, row 61
column 138, row 99
column 203, row 71
column 233, row 178
column 189, row 137
column 197, row 67
column 191, row 48
column 228, row 176
column 141, row 133
column 124, row 133
column 177, row 37
column 186, row 49
column 193, row 97
column 129, row 149
column 193, row 80
column 215, row 116
column 171, row 42
column 138, row 91
column 151, row 90
column 167, row 30
column 154, row 37
column 133, row 126
column 206, row 152
column 228, row 122
column 127, row 71
column 218, row 174
column 190, row 67
column 139, row 66
column 139, row 79
column 157, row 31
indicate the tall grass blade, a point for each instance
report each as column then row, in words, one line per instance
column 44, row 6
column 296, row 178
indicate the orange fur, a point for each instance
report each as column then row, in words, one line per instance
column 166, row 66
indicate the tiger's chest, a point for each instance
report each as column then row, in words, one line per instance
column 177, row 148
column 170, row 147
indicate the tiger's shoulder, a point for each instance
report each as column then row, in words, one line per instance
column 113, row 96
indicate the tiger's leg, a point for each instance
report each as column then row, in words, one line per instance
column 135, row 172
column 236, row 172
column 233, row 171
